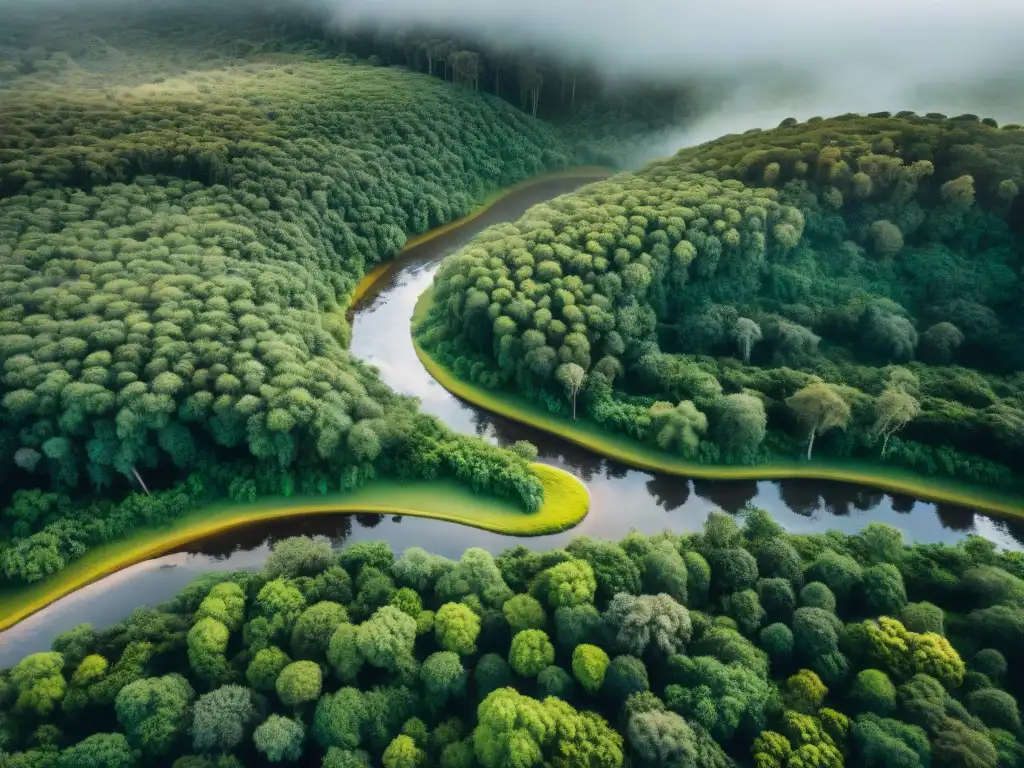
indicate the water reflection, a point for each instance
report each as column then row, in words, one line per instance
column 669, row 493
column 732, row 496
column 621, row 498
column 955, row 518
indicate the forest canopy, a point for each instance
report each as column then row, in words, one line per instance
column 844, row 287
column 738, row 645
column 182, row 222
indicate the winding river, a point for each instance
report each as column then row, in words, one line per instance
column 621, row 498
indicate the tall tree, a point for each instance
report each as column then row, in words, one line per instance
column 894, row 408
column 819, row 408
column 746, row 333
column 678, row 427
column 571, row 376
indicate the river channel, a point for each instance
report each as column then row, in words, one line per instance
column 621, row 498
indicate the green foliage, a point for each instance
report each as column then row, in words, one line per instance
column 923, row 617
column 457, row 628
column 343, row 652
column 733, row 569
column 698, row 577
column 207, row 643
column 805, row 692
column 567, row 584
column 362, row 554
column 154, row 712
column 873, row 692
column 721, row 697
column 555, row 681
column 746, row 299
column 664, row 571
column 777, row 641
column 222, row 718
column 530, row 652
column 694, row 690
column 408, row 601
column 420, row 570
column 492, row 672
column 443, row 678
column 995, row 708
column 777, row 559
column 299, row 556
column 524, row 612
column 386, row 639
column 224, row 603
column 39, row 684
column 883, row 742
column 280, row 738
column 402, row 752
column 666, row 739
column 648, row 623
column 205, row 252
column 815, row 633
column 990, row 662
column 264, row 668
column 955, row 745
column 905, row 654
column 817, row 595
column 589, row 664
column 612, row 568
column 840, row 573
column 745, row 609
column 298, row 683
column 101, row 750
column 314, row 628
column 625, row 676
column 477, row 574
column 516, row 730
column 884, row 592
column 776, row 597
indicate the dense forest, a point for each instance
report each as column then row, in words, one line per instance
column 188, row 197
column 839, row 288
column 734, row 646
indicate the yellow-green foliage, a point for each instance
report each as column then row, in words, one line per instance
column 566, row 502
column 904, row 654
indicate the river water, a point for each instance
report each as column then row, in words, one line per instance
column 621, row 498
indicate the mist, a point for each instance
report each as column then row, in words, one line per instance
column 759, row 61
column 747, row 63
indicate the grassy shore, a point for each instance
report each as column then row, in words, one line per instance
column 629, row 451
column 583, row 173
column 566, row 501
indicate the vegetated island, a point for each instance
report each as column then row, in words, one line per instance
column 846, row 289
column 566, row 502
column 731, row 647
column 188, row 199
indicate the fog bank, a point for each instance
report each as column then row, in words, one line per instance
column 761, row 60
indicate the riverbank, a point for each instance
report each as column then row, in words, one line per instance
column 566, row 499
column 636, row 454
column 566, row 502
column 374, row 275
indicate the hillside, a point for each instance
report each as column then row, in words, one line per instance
column 856, row 279
column 177, row 252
